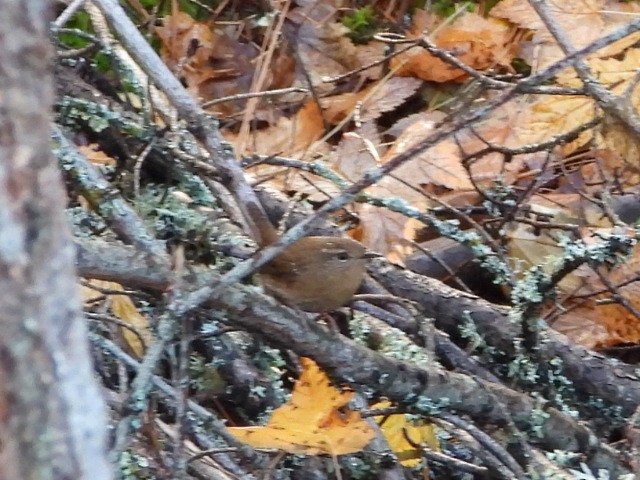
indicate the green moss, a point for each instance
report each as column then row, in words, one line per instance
column 362, row 24
column 81, row 22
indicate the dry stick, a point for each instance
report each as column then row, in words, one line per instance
column 371, row 177
column 633, row 439
column 452, row 462
column 260, row 75
column 68, row 12
column 618, row 297
column 232, row 176
column 614, row 383
column 106, row 200
column 156, row 100
column 100, row 317
column 181, row 386
column 168, row 392
column 263, row 94
column 611, row 104
column 445, row 56
column 450, row 58
column 486, row 441
column 127, row 225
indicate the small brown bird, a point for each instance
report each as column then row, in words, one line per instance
column 316, row 274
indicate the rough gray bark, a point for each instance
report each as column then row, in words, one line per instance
column 52, row 417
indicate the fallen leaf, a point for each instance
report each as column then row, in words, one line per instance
column 96, row 156
column 477, row 42
column 315, row 421
column 289, row 137
column 125, row 310
column 372, row 102
column 397, row 427
column 586, row 20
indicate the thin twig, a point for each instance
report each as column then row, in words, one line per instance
column 67, row 13
column 244, row 96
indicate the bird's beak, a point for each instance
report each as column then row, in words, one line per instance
column 371, row 255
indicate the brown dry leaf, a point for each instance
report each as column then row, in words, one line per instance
column 437, row 171
column 315, row 421
column 582, row 325
column 383, row 231
column 618, row 138
column 351, row 158
column 584, row 20
column 178, row 34
column 595, row 325
column 376, row 99
column 609, row 322
column 289, row 137
column 439, row 165
column 478, row 42
column 588, row 321
column 212, row 64
column 609, row 164
column 96, row 156
column 552, row 115
column 395, row 427
column 528, row 246
column 325, row 50
column 125, row 310
column 613, row 134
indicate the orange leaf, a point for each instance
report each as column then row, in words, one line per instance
column 478, row 42
column 97, row 156
column 289, row 136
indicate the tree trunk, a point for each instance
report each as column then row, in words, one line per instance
column 52, row 417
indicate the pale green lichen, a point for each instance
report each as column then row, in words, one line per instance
column 356, row 467
column 394, row 342
column 564, row 458
column 538, row 418
column 477, row 342
column 360, row 328
column 524, row 369
column 135, row 467
column 429, row 406
column 98, row 117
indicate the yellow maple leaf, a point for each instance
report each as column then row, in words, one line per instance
column 123, row 307
column 396, row 429
column 315, row 421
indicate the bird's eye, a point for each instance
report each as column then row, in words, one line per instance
column 342, row 256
